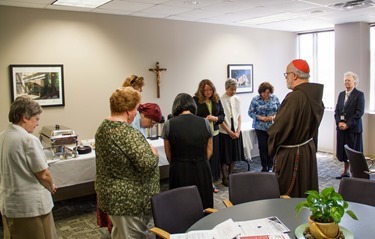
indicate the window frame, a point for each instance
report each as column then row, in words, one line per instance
column 329, row 89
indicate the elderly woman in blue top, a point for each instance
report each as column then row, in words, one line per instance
column 262, row 110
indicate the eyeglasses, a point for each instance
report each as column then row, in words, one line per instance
column 286, row 73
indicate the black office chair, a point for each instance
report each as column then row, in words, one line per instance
column 250, row 186
column 358, row 190
column 358, row 164
column 176, row 210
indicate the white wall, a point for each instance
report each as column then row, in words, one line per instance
column 98, row 51
column 352, row 53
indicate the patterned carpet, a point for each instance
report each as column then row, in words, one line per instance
column 76, row 218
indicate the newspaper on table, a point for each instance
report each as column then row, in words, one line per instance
column 225, row 230
column 276, row 236
column 265, row 228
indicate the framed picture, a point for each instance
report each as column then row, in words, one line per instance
column 243, row 74
column 43, row 83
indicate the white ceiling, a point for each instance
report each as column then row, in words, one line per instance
column 284, row 15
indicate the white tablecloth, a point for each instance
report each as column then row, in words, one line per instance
column 249, row 139
column 72, row 171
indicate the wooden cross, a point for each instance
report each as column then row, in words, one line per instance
column 157, row 70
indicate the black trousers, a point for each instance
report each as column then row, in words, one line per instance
column 265, row 159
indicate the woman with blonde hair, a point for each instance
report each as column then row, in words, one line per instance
column 127, row 172
column 209, row 107
column 137, row 82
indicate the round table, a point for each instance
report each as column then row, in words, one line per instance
column 284, row 209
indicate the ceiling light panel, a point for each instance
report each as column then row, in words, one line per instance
column 190, row 4
column 199, row 13
column 81, row 3
column 322, row 2
column 269, row 19
column 126, row 6
column 161, row 9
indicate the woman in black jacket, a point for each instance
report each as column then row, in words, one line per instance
column 348, row 115
column 209, row 107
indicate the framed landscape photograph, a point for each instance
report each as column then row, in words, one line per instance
column 243, row 74
column 43, row 83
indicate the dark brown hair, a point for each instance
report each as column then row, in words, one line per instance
column 265, row 86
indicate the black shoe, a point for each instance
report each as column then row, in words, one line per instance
column 264, row 169
column 343, row 176
column 225, row 182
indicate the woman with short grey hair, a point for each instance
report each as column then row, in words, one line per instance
column 230, row 137
column 348, row 116
column 25, row 181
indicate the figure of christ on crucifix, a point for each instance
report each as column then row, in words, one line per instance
column 158, row 71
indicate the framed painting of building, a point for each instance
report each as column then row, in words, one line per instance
column 43, row 83
column 243, row 74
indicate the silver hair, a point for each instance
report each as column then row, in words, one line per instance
column 354, row 76
column 230, row 82
column 302, row 75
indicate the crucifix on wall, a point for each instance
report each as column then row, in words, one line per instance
column 158, row 71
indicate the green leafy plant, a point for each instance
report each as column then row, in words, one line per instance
column 327, row 206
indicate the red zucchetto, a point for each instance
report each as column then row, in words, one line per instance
column 301, row 65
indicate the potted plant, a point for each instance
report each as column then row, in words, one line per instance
column 327, row 208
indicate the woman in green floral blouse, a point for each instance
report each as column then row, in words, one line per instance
column 127, row 172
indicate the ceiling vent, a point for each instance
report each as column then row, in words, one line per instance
column 355, row 4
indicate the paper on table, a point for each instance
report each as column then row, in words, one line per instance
column 204, row 234
column 264, row 226
column 276, row 236
column 225, row 230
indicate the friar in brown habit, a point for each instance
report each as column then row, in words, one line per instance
column 292, row 139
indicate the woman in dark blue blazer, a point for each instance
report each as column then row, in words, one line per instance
column 348, row 115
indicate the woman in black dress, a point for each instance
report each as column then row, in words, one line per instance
column 188, row 147
column 230, row 136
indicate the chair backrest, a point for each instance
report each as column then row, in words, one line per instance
column 250, row 186
column 358, row 164
column 176, row 210
column 358, row 190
